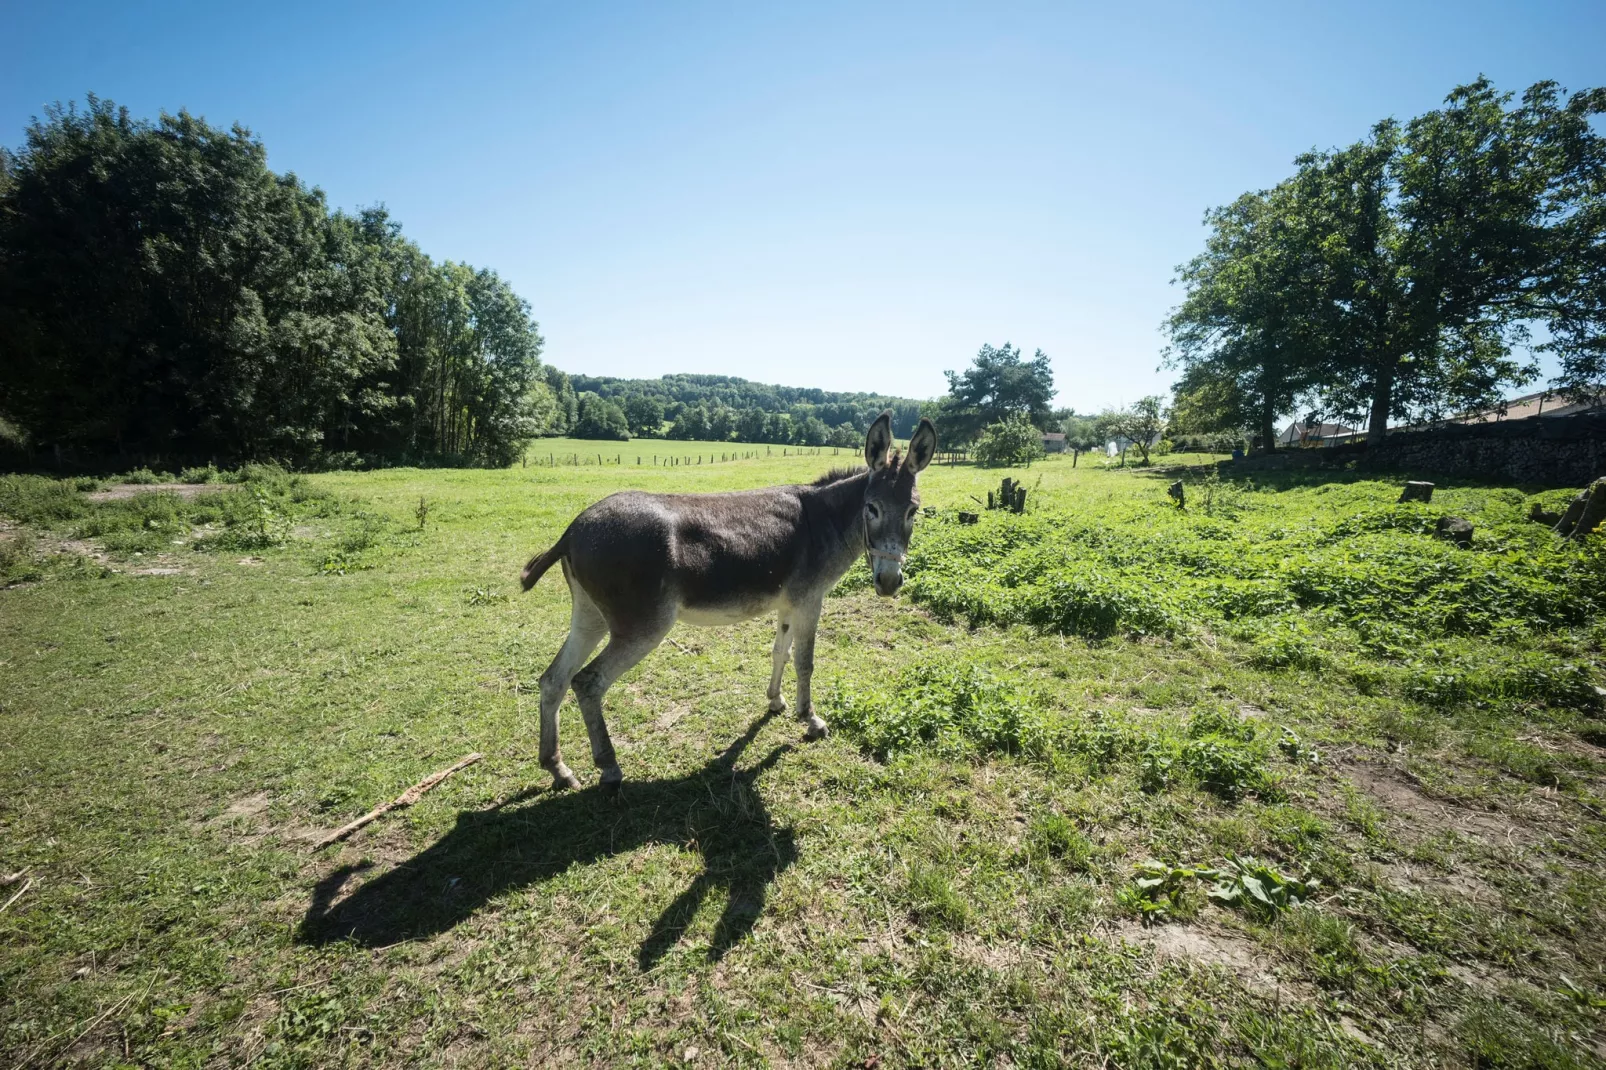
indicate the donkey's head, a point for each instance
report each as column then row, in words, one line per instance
column 891, row 501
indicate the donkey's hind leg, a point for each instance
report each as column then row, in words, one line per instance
column 586, row 629
column 778, row 656
column 626, row 646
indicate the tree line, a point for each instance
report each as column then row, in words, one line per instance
column 165, row 295
column 1409, row 276
column 721, row 408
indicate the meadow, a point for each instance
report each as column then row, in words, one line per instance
column 1279, row 780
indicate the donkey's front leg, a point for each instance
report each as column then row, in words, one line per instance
column 805, row 622
column 778, row 656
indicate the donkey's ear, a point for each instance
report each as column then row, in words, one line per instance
column 922, row 447
column 878, row 441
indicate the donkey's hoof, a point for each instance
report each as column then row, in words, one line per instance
column 563, row 778
column 777, row 705
column 817, row 729
column 612, row 777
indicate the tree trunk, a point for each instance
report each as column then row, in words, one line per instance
column 1268, row 426
column 1382, row 402
column 1594, row 510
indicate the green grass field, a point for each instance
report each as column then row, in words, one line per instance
column 1366, row 765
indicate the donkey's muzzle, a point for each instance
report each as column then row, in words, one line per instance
column 887, row 583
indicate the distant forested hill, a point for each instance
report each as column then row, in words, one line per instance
column 723, row 406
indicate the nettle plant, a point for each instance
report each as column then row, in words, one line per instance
column 1363, row 593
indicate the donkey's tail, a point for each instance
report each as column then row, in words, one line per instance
column 541, row 562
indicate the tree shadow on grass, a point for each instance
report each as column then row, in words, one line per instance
column 538, row 834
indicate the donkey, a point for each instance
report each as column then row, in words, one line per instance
column 636, row 563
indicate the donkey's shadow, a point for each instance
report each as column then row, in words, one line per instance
column 536, row 835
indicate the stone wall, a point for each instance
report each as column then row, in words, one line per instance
column 1567, row 451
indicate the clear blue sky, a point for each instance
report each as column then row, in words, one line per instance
column 851, row 197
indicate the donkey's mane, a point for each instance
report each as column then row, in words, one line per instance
column 894, row 462
column 837, row 474
column 893, row 465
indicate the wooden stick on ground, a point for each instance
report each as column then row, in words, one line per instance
column 18, row 896
column 406, row 798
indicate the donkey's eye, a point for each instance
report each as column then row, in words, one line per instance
column 874, row 511
column 910, row 515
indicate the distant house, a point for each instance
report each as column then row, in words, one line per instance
column 1300, row 433
column 1526, row 407
column 1053, row 442
column 1543, row 405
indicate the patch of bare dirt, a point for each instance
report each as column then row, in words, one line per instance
column 995, row 956
column 1211, row 945
column 1413, row 877
column 247, row 819
column 249, row 808
column 124, row 491
column 672, row 713
column 1418, row 816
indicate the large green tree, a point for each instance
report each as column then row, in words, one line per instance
column 1249, row 334
column 1400, row 277
column 999, row 384
column 165, row 296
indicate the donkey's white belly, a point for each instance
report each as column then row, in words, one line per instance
column 730, row 613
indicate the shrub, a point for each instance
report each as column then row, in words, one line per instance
column 209, row 474
column 1014, row 441
column 145, row 477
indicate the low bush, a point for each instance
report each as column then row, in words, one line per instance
column 1356, row 584
column 950, row 710
column 40, row 502
column 257, row 512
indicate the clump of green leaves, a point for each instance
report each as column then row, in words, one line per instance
column 146, row 477
column 1297, row 751
column 1245, row 883
column 1157, row 891
column 952, row 710
column 1258, row 888
column 1287, row 644
column 1157, row 766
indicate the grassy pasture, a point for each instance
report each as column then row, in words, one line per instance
column 1366, row 766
